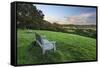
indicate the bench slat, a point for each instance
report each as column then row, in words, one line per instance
column 44, row 43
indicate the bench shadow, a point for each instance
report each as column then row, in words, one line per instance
column 35, row 55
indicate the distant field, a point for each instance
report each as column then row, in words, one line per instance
column 70, row 47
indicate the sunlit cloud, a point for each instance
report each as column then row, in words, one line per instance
column 81, row 19
column 55, row 20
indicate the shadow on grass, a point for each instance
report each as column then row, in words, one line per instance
column 35, row 56
column 32, row 54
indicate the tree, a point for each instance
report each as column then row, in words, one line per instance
column 28, row 16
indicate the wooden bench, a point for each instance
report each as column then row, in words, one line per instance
column 44, row 43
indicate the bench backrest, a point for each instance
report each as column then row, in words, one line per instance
column 38, row 37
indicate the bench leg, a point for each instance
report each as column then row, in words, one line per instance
column 54, row 48
column 43, row 51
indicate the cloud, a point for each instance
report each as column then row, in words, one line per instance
column 82, row 19
column 55, row 19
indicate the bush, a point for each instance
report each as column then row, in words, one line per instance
column 86, row 32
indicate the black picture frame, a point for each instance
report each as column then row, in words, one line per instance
column 14, row 32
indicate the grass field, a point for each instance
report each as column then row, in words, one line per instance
column 70, row 47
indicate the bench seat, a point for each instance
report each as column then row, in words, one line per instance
column 45, row 44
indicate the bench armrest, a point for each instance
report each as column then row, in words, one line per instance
column 53, row 42
column 54, row 45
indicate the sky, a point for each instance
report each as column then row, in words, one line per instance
column 68, row 14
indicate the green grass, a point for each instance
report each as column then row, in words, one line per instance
column 70, row 47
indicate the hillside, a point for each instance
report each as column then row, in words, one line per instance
column 70, row 47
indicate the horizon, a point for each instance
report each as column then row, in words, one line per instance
column 68, row 14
